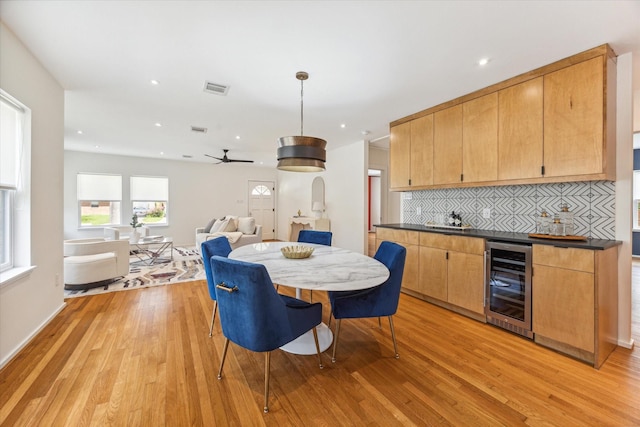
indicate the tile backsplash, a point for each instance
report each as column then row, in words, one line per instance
column 515, row 207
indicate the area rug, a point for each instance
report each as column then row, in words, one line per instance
column 185, row 267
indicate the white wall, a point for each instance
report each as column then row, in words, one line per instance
column 27, row 304
column 345, row 196
column 197, row 191
column 624, row 197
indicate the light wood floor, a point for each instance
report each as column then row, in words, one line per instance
column 144, row 357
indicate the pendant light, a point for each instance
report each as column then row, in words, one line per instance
column 301, row 153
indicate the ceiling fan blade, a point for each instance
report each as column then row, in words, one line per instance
column 241, row 161
column 213, row 157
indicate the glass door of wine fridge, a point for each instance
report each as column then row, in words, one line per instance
column 508, row 287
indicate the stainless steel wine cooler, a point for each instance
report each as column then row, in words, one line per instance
column 508, row 286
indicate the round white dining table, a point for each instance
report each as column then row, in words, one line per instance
column 329, row 268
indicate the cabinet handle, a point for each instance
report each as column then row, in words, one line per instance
column 542, row 170
column 461, row 177
column 409, row 181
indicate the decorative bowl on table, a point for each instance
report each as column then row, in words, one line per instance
column 297, row 252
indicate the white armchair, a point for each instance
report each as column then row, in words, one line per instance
column 89, row 263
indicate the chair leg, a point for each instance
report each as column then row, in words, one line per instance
column 224, row 355
column 335, row 341
column 379, row 322
column 315, row 338
column 330, row 316
column 393, row 335
column 267, row 365
column 213, row 317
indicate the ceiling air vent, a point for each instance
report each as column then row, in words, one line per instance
column 187, row 156
column 198, row 129
column 216, row 88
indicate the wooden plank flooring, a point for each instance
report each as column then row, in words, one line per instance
column 144, row 357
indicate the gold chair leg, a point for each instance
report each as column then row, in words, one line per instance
column 213, row 317
column 224, row 355
column 335, row 341
column 393, row 335
column 315, row 338
column 267, row 364
column 330, row 316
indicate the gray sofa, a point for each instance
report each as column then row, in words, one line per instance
column 239, row 230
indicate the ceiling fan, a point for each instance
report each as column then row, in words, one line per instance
column 225, row 159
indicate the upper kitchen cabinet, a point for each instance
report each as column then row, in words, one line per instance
column 520, row 130
column 480, row 139
column 552, row 124
column 447, row 146
column 574, row 120
column 400, row 156
column 411, row 153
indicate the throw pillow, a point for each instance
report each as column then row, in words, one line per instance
column 207, row 227
column 219, row 225
column 247, row 225
column 234, row 219
column 231, row 226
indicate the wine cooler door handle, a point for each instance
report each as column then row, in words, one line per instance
column 486, row 279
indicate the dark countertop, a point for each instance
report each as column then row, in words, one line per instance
column 503, row 236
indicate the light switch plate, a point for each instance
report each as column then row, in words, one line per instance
column 486, row 213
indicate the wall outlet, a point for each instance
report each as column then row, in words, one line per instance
column 419, row 210
column 486, row 213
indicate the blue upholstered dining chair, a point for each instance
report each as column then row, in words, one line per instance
column 317, row 237
column 219, row 246
column 313, row 236
column 378, row 301
column 254, row 316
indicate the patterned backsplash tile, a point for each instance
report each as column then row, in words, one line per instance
column 515, row 207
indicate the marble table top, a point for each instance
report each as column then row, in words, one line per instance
column 329, row 268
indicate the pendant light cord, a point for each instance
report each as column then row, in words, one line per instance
column 301, row 107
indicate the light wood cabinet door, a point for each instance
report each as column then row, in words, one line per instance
column 400, row 155
column 563, row 306
column 422, row 151
column 433, row 273
column 520, row 130
column 480, row 139
column 411, row 275
column 447, row 145
column 465, row 274
column 573, row 119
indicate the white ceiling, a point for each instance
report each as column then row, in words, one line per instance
column 370, row 62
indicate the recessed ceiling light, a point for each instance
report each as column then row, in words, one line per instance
column 79, row 132
column 237, row 136
column 162, row 153
column 155, row 82
column 483, row 61
column 97, row 146
column 159, row 125
column 343, row 126
column 365, row 132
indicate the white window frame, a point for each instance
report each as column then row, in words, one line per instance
column 15, row 185
column 148, row 190
column 106, row 188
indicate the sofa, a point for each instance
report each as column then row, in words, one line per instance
column 239, row 231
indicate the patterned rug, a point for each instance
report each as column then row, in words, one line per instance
column 185, row 267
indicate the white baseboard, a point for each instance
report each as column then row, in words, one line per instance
column 626, row 344
column 27, row 340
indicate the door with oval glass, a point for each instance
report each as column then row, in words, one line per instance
column 262, row 206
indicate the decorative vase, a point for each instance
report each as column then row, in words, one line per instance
column 135, row 236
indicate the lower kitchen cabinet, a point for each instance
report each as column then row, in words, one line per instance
column 575, row 301
column 410, row 240
column 466, row 281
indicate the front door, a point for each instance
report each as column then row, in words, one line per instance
column 262, row 206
